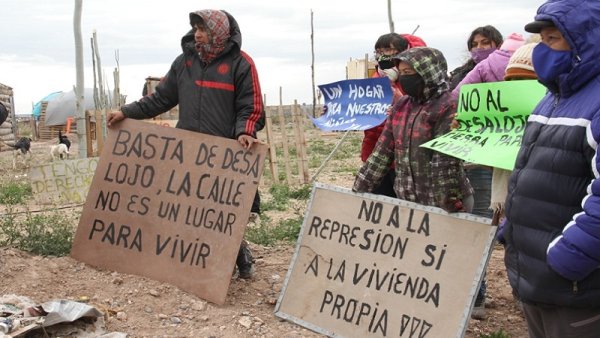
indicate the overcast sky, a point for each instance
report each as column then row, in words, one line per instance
column 37, row 53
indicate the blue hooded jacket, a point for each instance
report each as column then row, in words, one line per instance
column 553, row 206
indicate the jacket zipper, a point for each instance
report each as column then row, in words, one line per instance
column 575, row 287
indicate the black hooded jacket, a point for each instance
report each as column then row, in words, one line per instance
column 222, row 98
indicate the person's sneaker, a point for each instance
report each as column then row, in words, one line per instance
column 246, row 272
column 245, row 262
column 253, row 220
column 479, row 309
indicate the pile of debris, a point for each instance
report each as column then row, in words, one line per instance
column 58, row 318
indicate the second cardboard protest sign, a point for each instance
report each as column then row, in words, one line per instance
column 367, row 266
column 171, row 205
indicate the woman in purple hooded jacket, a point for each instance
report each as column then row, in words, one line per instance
column 482, row 42
column 493, row 68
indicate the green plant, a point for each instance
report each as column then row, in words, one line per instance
column 302, row 193
column 497, row 334
column 281, row 194
column 14, row 193
column 48, row 234
column 318, row 147
column 265, row 234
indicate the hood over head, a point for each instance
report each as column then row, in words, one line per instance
column 431, row 65
column 579, row 23
column 222, row 31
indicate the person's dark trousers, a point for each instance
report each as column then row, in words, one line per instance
column 386, row 187
column 244, row 259
column 562, row 322
column 481, row 181
column 256, row 203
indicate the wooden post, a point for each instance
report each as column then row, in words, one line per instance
column 284, row 140
column 89, row 149
column 312, row 64
column 79, row 88
column 100, row 116
column 300, row 144
column 390, row 20
column 272, row 149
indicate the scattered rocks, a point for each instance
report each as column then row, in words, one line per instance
column 199, row 306
column 245, row 321
column 122, row 316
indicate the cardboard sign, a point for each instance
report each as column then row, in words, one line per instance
column 65, row 181
column 372, row 266
column 355, row 104
column 164, row 123
column 492, row 118
column 171, row 205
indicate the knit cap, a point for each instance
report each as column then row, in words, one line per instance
column 520, row 65
column 513, row 42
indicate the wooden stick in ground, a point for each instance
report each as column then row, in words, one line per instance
column 300, row 144
column 284, row 140
column 272, row 149
column 100, row 116
column 88, row 135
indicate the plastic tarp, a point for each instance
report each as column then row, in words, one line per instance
column 64, row 105
column 37, row 108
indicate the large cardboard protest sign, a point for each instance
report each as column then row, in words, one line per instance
column 355, row 104
column 372, row 266
column 62, row 181
column 492, row 118
column 171, row 205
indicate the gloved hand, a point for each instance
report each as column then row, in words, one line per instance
column 453, row 204
column 500, row 232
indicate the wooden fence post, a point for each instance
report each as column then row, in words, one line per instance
column 100, row 114
column 284, row 140
column 88, row 134
column 272, row 149
column 300, row 144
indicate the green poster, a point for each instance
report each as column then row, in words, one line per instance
column 492, row 118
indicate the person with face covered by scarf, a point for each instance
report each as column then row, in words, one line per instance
column 387, row 47
column 217, row 89
column 552, row 228
column 482, row 42
column 423, row 176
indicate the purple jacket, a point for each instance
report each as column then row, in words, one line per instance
column 491, row 69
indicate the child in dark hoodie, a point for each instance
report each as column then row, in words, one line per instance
column 423, row 176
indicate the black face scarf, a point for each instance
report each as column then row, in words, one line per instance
column 385, row 62
column 412, row 85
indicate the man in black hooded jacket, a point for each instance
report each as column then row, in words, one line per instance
column 216, row 86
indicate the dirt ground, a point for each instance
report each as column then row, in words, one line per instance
column 141, row 307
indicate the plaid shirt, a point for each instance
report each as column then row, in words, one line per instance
column 423, row 176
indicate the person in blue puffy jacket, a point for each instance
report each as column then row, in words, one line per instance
column 552, row 229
